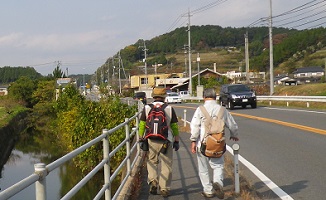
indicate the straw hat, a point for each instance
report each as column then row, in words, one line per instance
column 159, row 92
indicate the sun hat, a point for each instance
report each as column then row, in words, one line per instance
column 159, row 92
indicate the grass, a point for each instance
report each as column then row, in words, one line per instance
column 5, row 117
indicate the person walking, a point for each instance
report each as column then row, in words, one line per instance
column 210, row 188
column 160, row 150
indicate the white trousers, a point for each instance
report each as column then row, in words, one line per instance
column 216, row 164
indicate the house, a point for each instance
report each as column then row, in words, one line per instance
column 3, row 90
column 284, row 79
column 241, row 77
column 61, row 84
column 143, row 81
column 309, row 74
column 206, row 73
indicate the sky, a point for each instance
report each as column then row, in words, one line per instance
column 82, row 34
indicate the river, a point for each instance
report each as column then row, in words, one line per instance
column 21, row 165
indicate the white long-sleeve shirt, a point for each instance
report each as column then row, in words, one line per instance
column 197, row 124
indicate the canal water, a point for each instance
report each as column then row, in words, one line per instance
column 21, row 165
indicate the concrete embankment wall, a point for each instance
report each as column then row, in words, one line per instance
column 9, row 134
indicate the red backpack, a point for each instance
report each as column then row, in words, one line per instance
column 156, row 122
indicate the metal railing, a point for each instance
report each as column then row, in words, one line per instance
column 42, row 170
column 274, row 98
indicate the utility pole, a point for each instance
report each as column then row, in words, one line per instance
column 145, row 52
column 325, row 70
column 198, row 60
column 247, row 56
column 189, row 55
column 271, row 67
column 119, row 73
column 185, row 53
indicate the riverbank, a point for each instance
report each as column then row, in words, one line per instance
column 9, row 135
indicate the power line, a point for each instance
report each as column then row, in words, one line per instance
column 306, row 12
column 198, row 10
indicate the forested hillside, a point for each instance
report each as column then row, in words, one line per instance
column 11, row 74
column 290, row 45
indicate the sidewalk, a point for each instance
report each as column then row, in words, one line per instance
column 185, row 180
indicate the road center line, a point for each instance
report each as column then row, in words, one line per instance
column 297, row 126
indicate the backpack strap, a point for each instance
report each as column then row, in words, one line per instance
column 207, row 116
column 221, row 112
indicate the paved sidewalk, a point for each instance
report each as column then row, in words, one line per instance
column 185, row 180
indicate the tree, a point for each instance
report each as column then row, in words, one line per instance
column 22, row 91
column 57, row 73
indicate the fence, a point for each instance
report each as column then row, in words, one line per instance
column 42, row 170
column 275, row 98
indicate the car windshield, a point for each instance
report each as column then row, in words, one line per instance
column 239, row 88
column 140, row 95
column 173, row 94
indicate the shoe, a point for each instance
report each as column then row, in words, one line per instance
column 153, row 187
column 219, row 190
column 204, row 194
column 165, row 193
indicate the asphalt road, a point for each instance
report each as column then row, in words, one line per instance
column 291, row 156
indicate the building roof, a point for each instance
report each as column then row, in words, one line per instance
column 308, row 70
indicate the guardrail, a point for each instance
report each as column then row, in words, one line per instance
column 42, row 170
column 293, row 98
column 306, row 99
column 273, row 98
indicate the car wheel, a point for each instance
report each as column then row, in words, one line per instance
column 254, row 105
column 230, row 105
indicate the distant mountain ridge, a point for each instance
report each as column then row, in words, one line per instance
column 290, row 45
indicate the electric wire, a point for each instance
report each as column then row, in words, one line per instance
column 306, row 12
column 195, row 11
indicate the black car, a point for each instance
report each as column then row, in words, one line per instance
column 232, row 95
column 141, row 96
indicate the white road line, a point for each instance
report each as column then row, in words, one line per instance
column 268, row 182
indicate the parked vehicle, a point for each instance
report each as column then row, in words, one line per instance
column 184, row 93
column 173, row 97
column 232, row 95
column 141, row 96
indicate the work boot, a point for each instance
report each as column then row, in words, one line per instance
column 219, row 190
column 153, row 187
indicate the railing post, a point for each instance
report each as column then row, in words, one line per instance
column 40, row 185
column 137, row 135
column 307, row 104
column 236, row 148
column 106, row 150
column 128, row 146
column 184, row 117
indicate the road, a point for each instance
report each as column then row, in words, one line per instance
column 291, row 156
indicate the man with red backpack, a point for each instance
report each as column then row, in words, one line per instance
column 159, row 127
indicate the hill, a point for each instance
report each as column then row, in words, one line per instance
column 223, row 46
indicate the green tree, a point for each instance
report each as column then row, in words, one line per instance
column 22, row 91
column 57, row 72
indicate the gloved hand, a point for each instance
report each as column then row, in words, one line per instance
column 143, row 144
column 176, row 145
